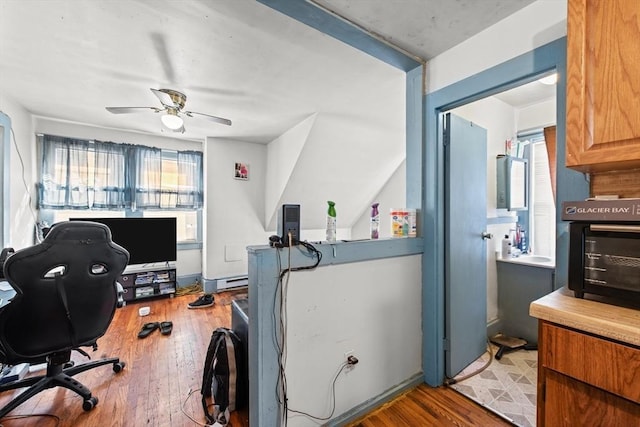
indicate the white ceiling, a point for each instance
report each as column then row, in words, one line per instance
column 241, row 60
column 528, row 94
column 424, row 28
column 238, row 59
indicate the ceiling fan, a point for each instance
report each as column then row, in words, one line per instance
column 172, row 104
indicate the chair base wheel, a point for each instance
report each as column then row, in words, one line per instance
column 90, row 403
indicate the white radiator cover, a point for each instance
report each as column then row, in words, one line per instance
column 232, row 282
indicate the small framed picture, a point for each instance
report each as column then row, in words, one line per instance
column 241, row 171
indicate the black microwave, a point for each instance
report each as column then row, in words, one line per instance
column 604, row 259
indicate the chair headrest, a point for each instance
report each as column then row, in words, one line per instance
column 78, row 230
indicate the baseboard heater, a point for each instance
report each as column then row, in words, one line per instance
column 231, row 282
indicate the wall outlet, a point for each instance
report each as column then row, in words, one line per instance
column 349, row 358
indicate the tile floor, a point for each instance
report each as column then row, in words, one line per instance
column 507, row 386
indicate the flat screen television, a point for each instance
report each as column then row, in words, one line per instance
column 148, row 240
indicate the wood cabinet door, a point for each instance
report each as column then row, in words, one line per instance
column 585, row 380
column 605, row 364
column 570, row 403
column 603, row 85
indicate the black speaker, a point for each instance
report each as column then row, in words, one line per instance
column 289, row 222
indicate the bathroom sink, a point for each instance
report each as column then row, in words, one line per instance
column 537, row 258
column 531, row 260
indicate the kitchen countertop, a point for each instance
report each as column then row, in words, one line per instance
column 593, row 314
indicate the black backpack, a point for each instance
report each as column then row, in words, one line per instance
column 223, row 376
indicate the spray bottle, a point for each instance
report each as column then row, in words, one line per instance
column 375, row 221
column 331, row 222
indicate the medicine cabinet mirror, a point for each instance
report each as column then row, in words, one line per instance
column 512, row 183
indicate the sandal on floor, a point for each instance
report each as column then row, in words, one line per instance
column 166, row 327
column 147, row 328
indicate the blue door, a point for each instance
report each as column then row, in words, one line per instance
column 465, row 242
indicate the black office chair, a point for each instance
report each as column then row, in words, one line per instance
column 66, row 296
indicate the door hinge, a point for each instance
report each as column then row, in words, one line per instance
column 445, row 130
column 447, row 344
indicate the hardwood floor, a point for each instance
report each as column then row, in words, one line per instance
column 153, row 389
column 154, row 385
column 433, row 407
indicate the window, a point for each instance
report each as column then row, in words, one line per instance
column 542, row 214
column 82, row 178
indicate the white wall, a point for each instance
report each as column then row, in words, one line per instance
column 541, row 22
column 234, row 209
column 282, row 156
column 82, row 131
column 391, row 196
column 21, row 199
column 372, row 308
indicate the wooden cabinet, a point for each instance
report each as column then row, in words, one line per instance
column 586, row 380
column 603, row 85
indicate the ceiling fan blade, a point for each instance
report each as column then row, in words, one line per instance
column 164, row 97
column 209, row 117
column 124, row 110
column 160, row 45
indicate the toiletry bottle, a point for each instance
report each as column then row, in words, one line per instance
column 375, row 221
column 331, row 222
column 523, row 241
column 506, row 247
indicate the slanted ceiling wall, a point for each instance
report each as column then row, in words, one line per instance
column 307, row 166
column 289, row 170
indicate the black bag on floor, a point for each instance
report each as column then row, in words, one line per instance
column 223, row 375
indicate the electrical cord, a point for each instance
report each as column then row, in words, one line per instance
column 20, row 417
column 182, row 408
column 193, row 289
column 280, row 317
column 24, row 181
column 451, row 381
column 333, row 397
column 311, row 252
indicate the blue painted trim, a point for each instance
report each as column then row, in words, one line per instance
column 569, row 186
column 209, row 286
column 329, row 24
column 5, row 165
column 189, row 245
column 188, row 280
column 372, row 404
column 263, row 361
column 346, row 252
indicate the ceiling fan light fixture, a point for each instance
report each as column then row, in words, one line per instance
column 171, row 120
